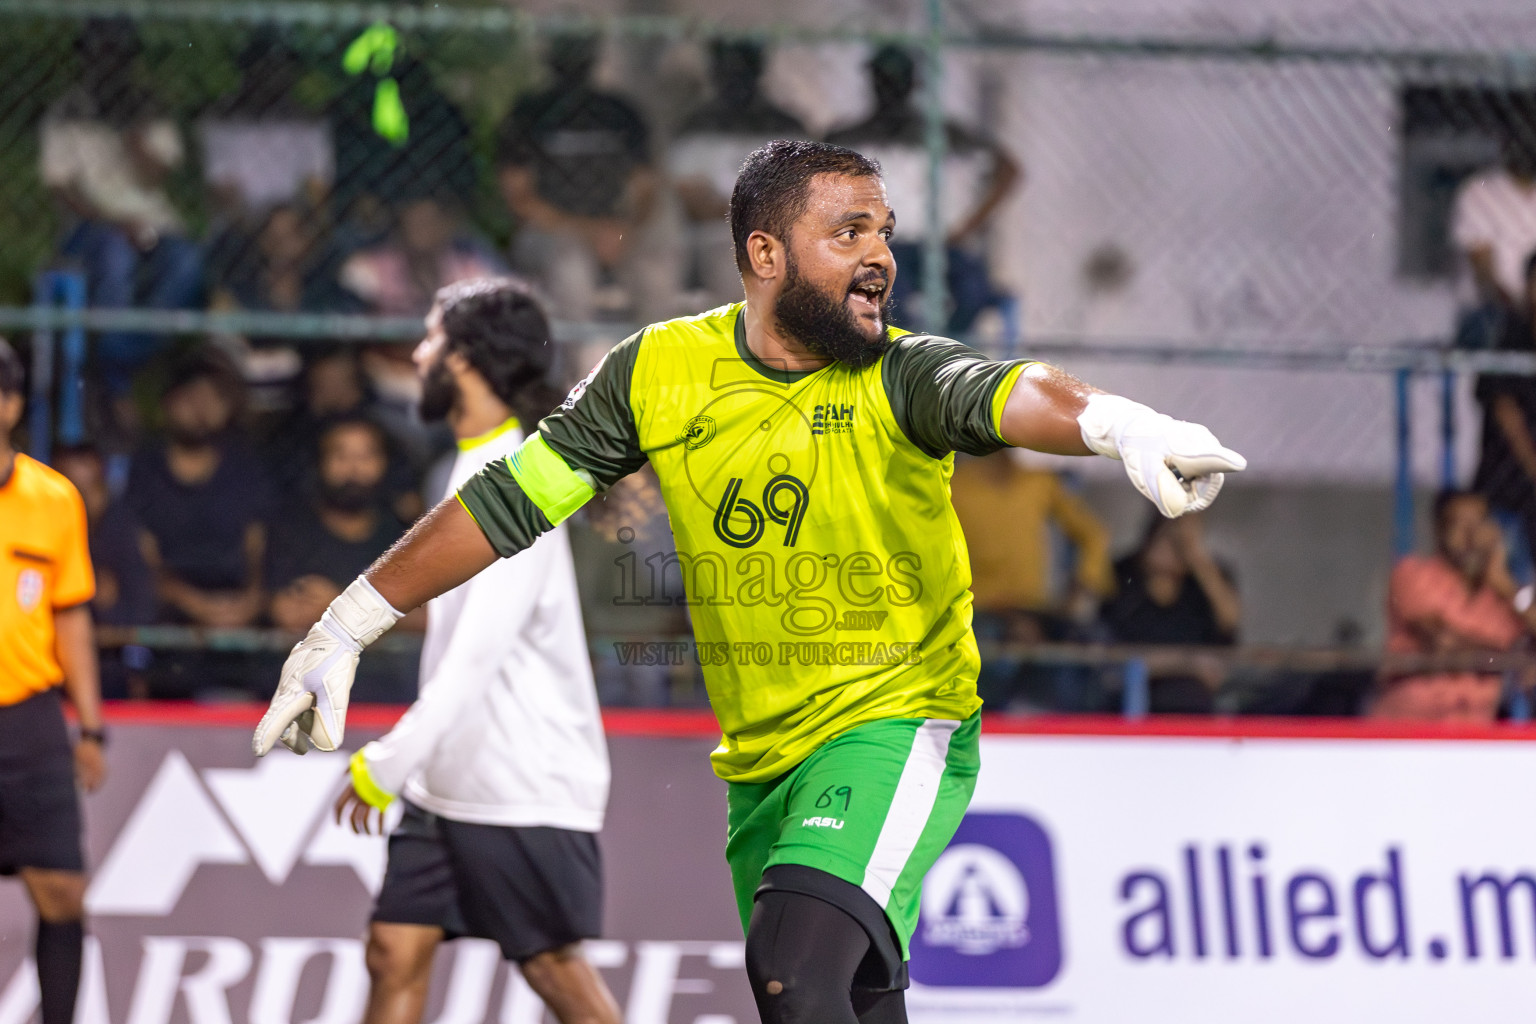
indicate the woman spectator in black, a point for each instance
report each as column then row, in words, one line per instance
column 1170, row 590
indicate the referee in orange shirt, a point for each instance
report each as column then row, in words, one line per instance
column 45, row 646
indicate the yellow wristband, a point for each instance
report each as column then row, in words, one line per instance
column 366, row 788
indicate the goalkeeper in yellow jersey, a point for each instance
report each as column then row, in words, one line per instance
column 804, row 449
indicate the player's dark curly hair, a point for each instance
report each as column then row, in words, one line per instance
column 771, row 190
column 498, row 325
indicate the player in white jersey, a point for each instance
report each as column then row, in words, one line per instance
column 501, row 763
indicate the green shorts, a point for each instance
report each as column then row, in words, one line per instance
column 874, row 807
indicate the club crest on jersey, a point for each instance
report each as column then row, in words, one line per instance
column 29, row 589
column 581, row 386
column 832, row 419
column 697, row 432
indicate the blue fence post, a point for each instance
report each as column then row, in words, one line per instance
column 57, row 361
column 1402, row 511
column 69, row 292
column 1136, row 696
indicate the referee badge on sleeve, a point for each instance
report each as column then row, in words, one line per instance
column 29, row 589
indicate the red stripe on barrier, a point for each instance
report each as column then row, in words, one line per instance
column 1252, row 728
column 701, row 723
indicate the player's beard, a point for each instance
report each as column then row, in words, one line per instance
column 823, row 323
column 439, row 394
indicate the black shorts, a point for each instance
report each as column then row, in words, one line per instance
column 39, row 805
column 530, row 889
column 883, row 968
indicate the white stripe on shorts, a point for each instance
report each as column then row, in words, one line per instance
column 916, row 793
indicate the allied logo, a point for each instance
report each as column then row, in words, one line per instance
column 832, row 419
column 29, row 589
column 978, row 902
column 989, row 915
column 697, row 432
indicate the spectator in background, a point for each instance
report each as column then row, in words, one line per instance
column 399, row 277
column 319, row 546
column 1493, row 224
column 375, row 174
column 261, row 149
column 574, row 168
column 125, row 591
column 711, row 145
column 286, row 266
column 1171, row 590
column 1008, row 510
column 1010, row 513
column 333, row 387
column 1506, row 469
column 979, row 174
column 105, row 156
column 426, row 251
column 202, row 500
column 1459, row 599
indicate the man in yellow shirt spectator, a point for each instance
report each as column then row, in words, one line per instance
column 46, row 647
column 1008, row 511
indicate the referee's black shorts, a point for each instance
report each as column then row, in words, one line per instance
column 39, row 805
column 529, row 889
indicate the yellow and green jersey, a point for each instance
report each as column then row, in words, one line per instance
column 817, row 551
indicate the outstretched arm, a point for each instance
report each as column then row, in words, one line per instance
column 444, row 549
column 1042, row 411
column 1179, row 466
column 588, row 444
column 947, row 398
column 494, row 610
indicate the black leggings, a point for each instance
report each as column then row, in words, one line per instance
column 801, row 956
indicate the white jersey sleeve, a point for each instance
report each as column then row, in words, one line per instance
column 506, row 729
column 480, row 629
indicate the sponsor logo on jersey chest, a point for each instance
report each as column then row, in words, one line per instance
column 832, row 418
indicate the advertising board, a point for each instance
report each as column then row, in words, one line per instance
column 1189, row 872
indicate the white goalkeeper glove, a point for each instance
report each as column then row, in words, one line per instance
column 310, row 706
column 1180, row 466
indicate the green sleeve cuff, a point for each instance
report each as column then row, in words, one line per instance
column 502, row 509
column 1000, row 399
column 552, row 485
column 366, row 788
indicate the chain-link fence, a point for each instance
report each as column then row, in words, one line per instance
column 1285, row 182
column 1277, row 220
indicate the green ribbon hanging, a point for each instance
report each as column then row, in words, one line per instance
column 375, row 51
